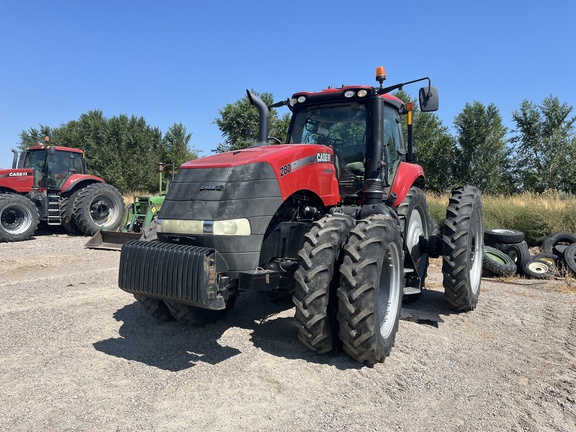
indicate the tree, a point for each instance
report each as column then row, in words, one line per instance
column 175, row 146
column 239, row 122
column 123, row 150
column 544, row 146
column 34, row 136
column 480, row 158
column 433, row 146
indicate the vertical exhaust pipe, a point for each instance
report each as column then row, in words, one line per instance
column 264, row 117
column 15, row 158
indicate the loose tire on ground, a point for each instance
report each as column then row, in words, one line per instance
column 570, row 257
column 371, row 289
column 415, row 226
column 97, row 206
column 317, row 279
column 497, row 262
column 539, row 269
column 558, row 238
column 463, row 249
column 18, row 218
column 519, row 252
column 502, row 235
column 156, row 308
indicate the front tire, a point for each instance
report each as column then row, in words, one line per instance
column 18, row 218
column 317, row 279
column 98, row 206
column 371, row 289
column 463, row 249
column 156, row 308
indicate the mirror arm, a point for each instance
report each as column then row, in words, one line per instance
column 399, row 86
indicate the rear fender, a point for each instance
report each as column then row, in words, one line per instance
column 407, row 175
column 77, row 181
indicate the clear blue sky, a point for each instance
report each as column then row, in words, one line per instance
column 181, row 61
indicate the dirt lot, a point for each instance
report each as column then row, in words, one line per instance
column 77, row 353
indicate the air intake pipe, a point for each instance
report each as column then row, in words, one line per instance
column 264, row 116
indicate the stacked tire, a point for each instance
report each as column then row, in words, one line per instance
column 506, row 253
column 562, row 248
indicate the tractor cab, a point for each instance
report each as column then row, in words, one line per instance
column 363, row 125
column 52, row 165
column 342, row 120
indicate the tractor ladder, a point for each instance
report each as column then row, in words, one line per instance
column 54, row 210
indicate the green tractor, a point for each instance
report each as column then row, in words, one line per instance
column 139, row 222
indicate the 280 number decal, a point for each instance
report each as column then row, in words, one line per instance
column 285, row 169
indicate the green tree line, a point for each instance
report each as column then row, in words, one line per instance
column 123, row 150
column 538, row 155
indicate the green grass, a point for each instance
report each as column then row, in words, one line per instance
column 537, row 215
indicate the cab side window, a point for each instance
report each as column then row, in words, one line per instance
column 393, row 141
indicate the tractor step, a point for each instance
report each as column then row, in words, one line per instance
column 411, row 291
column 54, row 210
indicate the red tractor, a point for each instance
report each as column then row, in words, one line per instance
column 336, row 217
column 50, row 184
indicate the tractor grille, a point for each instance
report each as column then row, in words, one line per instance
column 179, row 273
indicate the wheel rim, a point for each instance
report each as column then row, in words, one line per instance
column 476, row 255
column 538, row 267
column 496, row 257
column 389, row 290
column 103, row 210
column 15, row 220
column 415, row 232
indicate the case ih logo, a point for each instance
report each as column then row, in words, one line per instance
column 17, row 174
column 324, row 157
column 212, row 187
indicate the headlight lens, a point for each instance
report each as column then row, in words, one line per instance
column 196, row 227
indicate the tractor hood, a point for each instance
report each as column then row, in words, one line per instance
column 295, row 166
column 270, row 154
column 19, row 180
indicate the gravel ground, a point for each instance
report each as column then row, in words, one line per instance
column 79, row 354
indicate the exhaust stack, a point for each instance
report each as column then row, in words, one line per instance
column 264, row 117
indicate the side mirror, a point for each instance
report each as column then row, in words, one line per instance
column 429, row 99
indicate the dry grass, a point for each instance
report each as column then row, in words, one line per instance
column 537, row 215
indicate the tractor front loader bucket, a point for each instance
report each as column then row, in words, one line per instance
column 110, row 240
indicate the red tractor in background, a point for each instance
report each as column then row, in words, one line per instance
column 50, row 184
column 337, row 218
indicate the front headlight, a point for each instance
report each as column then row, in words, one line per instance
column 195, row 227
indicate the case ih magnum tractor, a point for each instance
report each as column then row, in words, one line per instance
column 336, row 217
column 50, row 184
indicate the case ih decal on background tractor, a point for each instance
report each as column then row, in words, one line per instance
column 336, row 217
column 50, row 184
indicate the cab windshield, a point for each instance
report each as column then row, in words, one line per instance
column 341, row 126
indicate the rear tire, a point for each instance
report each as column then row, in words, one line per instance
column 415, row 226
column 371, row 289
column 98, row 206
column 18, row 218
column 317, row 279
column 463, row 249
column 67, row 213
